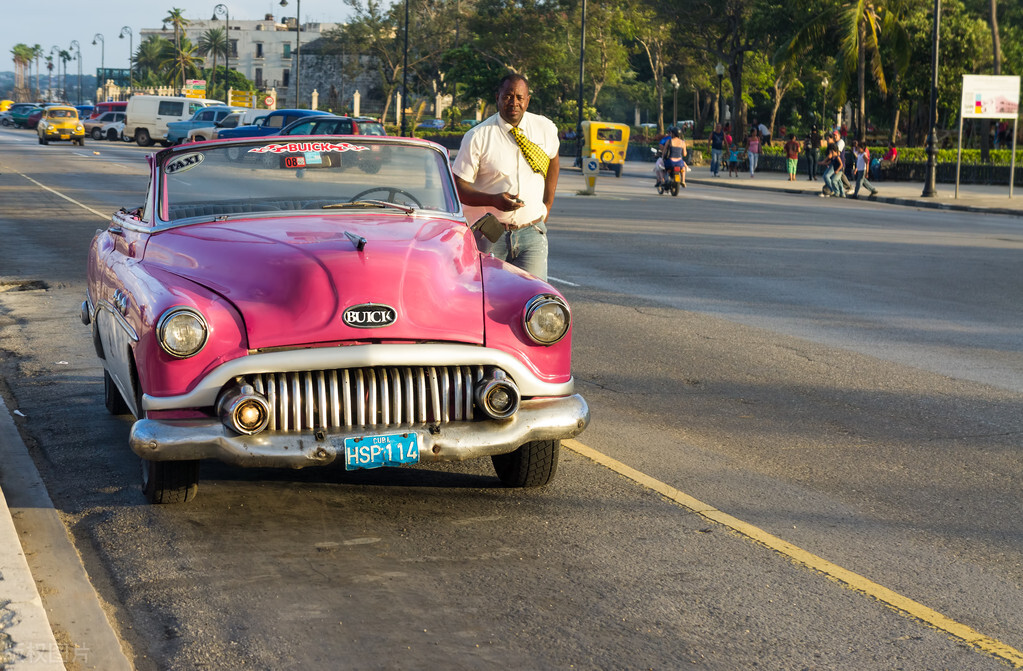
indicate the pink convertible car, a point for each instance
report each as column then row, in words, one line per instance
column 290, row 302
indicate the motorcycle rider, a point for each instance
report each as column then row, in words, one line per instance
column 674, row 154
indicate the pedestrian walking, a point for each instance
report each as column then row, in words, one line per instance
column 753, row 151
column 862, row 153
column 813, row 153
column 717, row 146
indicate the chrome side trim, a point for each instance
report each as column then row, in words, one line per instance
column 118, row 317
column 361, row 356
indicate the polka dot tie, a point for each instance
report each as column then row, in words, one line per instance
column 535, row 157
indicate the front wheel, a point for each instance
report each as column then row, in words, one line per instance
column 142, row 138
column 533, row 464
column 97, row 133
column 170, row 481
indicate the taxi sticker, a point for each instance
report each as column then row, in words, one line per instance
column 183, row 163
column 302, row 147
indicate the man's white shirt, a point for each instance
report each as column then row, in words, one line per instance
column 491, row 160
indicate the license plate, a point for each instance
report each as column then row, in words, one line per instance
column 64, row 137
column 376, row 451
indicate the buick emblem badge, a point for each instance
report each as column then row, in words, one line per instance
column 369, row 316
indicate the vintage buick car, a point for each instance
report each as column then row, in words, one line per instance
column 276, row 302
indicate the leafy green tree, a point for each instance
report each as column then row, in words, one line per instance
column 176, row 18
column 149, row 59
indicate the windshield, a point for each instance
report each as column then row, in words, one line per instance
column 307, row 174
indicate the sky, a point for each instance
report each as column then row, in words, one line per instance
column 32, row 22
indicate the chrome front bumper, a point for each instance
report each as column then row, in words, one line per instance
column 537, row 419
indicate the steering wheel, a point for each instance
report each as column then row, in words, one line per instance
column 391, row 192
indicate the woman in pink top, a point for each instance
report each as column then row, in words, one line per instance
column 753, row 150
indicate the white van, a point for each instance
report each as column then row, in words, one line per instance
column 147, row 116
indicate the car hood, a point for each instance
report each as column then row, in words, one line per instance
column 293, row 279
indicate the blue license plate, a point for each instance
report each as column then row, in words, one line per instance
column 376, row 451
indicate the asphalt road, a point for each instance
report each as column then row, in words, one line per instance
column 842, row 377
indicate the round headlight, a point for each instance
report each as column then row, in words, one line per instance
column 182, row 332
column 546, row 319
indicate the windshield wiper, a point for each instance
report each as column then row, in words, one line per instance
column 407, row 209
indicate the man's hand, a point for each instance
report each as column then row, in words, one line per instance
column 470, row 195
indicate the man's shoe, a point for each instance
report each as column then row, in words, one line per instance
column 873, row 194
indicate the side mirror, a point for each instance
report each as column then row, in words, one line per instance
column 489, row 226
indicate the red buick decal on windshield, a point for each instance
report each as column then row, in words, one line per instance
column 293, row 147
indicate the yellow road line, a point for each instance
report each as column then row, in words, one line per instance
column 853, row 580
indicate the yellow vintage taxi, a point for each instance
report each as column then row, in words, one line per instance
column 608, row 141
column 60, row 123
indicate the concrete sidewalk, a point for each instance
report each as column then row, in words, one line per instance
column 991, row 199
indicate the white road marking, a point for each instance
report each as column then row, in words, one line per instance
column 561, row 281
column 67, row 198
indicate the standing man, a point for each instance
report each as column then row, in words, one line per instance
column 792, row 156
column 508, row 166
column 813, row 146
column 717, row 145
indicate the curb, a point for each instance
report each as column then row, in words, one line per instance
column 891, row 200
column 44, row 556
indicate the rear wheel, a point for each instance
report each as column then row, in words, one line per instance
column 170, row 481
column 674, row 188
column 142, row 138
column 618, row 171
column 533, row 464
column 111, row 134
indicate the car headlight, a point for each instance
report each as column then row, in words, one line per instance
column 546, row 319
column 182, row 332
column 79, row 127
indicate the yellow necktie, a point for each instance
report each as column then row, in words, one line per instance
column 535, row 157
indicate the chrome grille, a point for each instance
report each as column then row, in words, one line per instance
column 373, row 398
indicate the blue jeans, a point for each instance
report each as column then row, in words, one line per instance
column 861, row 180
column 834, row 182
column 524, row 248
column 715, row 161
column 753, row 163
column 811, row 164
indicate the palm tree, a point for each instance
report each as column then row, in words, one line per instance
column 22, row 54
column 37, row 52
column 857, row 28
column 213, row 43
column 183, row 61
column 177, row 19
column 149, row 56
column 65, row 57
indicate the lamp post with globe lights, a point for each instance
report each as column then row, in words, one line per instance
column 824, row 102
column 674, row 111
column 102, row 57
column 221, row 9
column 131, row 54
column 298, row 45
column 720, row 70
column 77, row 48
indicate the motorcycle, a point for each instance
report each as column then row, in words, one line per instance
column 672, row 175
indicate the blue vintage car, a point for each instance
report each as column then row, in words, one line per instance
column 271, row 124
column 177, row 131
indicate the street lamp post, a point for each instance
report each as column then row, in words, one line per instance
column 217, row 11
column 932, row 117
column 582, row 61
column 824, row 102
column 78, row 56
column 674, row 110
column 298, row 43
column 131, row 54
column 54, row 51
column 102, row 57
column 720, row 70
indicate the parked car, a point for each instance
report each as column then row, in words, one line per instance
column 94, row 126
column 207, row 117
column 17, row 113
column 148, row 116
column 60, row 123
column 232, row 120
column 114, row 130
column 32, row 120
column 84, row 111
column 431, row 124
column 290, row 313
column 334, row 125
column 272, row 123
column 113, row 106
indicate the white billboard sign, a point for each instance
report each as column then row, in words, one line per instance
column 990, row 97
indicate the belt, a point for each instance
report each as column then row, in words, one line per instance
column 509, row 227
